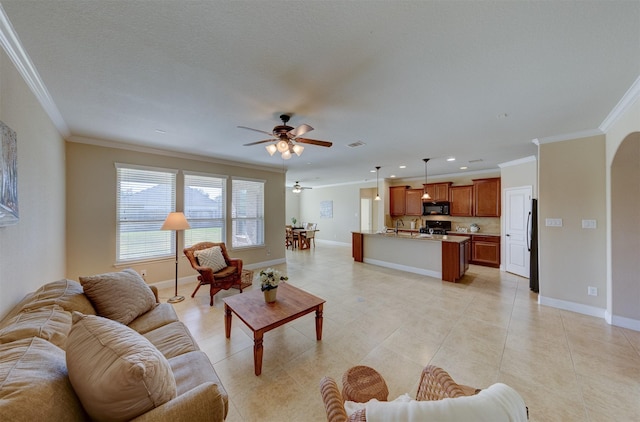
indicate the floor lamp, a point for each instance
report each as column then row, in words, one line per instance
column 176, row 221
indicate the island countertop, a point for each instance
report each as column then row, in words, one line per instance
column 415, row 235
column 440, row 256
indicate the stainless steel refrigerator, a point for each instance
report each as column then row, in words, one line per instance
column 533, row 246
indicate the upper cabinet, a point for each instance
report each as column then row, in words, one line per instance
column 413, row 203
column 461, row 198
column 486, row 197
column 439, row 192
column 397, row 200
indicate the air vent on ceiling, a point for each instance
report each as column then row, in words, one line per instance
column 356, row 144
column 475, row 161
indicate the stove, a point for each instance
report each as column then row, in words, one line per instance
column 439, row 227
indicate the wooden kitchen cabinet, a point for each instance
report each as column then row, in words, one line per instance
column 357, row 243
column 397, row 200
column 461, row 198
column 486, row 197
column 413, row 202
column 455, row 260
column 439, row 192
column 485, row 250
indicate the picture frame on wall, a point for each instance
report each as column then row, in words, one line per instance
column 8, row 176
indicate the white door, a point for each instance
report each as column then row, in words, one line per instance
column 518, row 210
column 365, row 214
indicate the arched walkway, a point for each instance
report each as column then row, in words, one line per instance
column 625, row 232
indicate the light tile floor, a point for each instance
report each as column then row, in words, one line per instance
column 488, row 328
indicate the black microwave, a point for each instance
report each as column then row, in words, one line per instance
column 435, row 208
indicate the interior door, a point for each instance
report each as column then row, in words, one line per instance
column 518, row 212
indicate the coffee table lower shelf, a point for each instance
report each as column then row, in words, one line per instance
column 260, row 317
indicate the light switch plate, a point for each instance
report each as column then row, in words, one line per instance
column 589, row 224
column 553, row 222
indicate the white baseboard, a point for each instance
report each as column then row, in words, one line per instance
column 264, row 264
column 421, row 271
column 624, row 322
column 572, row 306
column 333, row 242
column 171, row 283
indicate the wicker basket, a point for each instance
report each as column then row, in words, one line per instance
column 247, row 279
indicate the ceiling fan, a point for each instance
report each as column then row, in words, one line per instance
column 297, row 188
column 287, row 139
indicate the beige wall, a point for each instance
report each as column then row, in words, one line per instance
column 32, row 251
column 572, row 187
column 91, row 210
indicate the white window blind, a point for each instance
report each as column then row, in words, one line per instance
column 247, row 212
column 145, row 196
column 204, row 207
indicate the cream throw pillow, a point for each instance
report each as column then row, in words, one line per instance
column 117, row 373
column 212, row 258
column 121, row 296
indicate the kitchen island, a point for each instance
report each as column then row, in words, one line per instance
column 439, row 256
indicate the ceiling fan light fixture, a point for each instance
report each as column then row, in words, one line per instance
column 282, row 146
column 286, row 155
column 271, row 149
column 296, row 189
column 298, row 149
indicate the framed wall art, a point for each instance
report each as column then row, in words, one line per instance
column 8, row 176
column 326, row 209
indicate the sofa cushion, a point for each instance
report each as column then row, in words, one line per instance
column 211, row 257
column 162, row 314
column 193, row 369
column 117, row 373
column 34, row 385
column 120, row 296
column 65, row 293
column 51, row 323
column 172, row 339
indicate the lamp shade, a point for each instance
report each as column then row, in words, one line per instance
column 175, row 221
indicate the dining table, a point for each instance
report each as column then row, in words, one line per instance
column 301, row 234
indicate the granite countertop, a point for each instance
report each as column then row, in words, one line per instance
column 416, row 235
column 455, row 233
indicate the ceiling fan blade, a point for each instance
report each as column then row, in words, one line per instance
column 256, row 130
column 314, row 142
column 300, row 130
column 259, row 142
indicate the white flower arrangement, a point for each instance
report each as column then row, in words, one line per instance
column 270, row 278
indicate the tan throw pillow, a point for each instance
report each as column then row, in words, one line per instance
column 212, row 258
column 117, row 373
column 34, row 385
column 121, row 296
column 51, row 323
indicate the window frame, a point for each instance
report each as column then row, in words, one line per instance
column 164, row 238
column 258, row 239
column 195, row 221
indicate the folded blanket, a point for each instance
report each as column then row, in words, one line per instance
column 498, row 403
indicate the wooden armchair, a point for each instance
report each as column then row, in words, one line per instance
column 223, row 279
column 435, row 384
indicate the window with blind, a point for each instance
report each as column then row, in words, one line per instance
column 247, row 212
column 204, row 207
column 145, row 196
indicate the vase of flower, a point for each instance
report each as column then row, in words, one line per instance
column 269, row 280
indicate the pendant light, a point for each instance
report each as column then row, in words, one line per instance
column 425, row 195
column 377, row 198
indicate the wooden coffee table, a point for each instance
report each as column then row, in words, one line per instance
column 261, row 317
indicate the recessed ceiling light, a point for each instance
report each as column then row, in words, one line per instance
column 160, row 131
column 463, row 168
column 451, row 159
column 372, row 171
column 403, row 167
column 392, row 176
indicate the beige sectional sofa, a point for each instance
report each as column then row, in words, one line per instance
column 61, row 359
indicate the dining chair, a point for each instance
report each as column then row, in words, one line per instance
column 290, row 238
column 311, row 233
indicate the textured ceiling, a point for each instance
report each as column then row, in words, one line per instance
column 410, row 80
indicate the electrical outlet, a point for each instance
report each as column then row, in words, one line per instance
column 143, row 273
column 268, row 251
column 592, row 291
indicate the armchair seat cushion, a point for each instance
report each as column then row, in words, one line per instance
column 226, row 272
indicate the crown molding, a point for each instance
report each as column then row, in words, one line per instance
column 169, row 153
column 627, row 100
column 568, row 136
column 529, row 159
column 16, row 52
